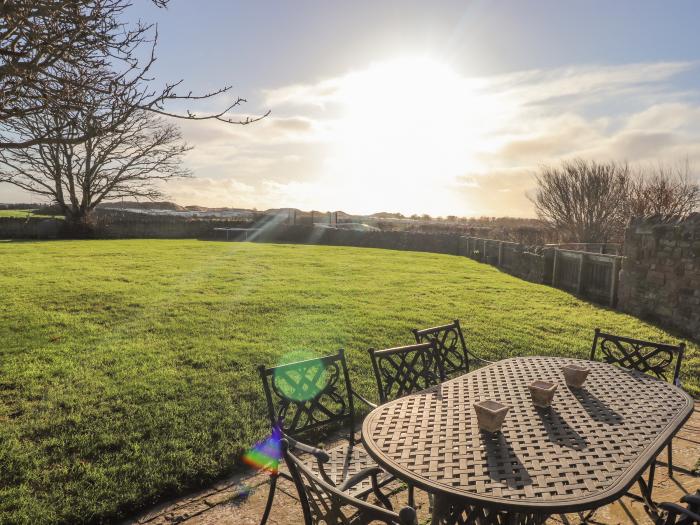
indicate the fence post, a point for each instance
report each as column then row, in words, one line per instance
column 469, row 252
column 614, row 281
column 483, row 255
column 579, row 284
column 500, row 253
column 555, row 267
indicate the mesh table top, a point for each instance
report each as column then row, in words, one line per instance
column 582, row 452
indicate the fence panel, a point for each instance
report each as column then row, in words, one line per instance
column 510, row 256
column 567, row 268
column 597, row 277
column 491, row 252
column 592, row 275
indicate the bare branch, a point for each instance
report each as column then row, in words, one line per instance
column 45, row 47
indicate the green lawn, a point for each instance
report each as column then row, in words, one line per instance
column 127, row 368
column 23, row 214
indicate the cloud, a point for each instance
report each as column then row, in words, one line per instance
column 208, row 191
column 469, row 145
column 587, row 82
column 318, row 94
column 313, row 150
column 270, row 130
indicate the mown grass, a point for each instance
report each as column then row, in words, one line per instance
column 24, row 214
column 127, row 368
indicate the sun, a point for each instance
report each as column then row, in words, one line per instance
column 409, row 129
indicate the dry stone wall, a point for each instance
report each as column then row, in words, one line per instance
column 660, row 278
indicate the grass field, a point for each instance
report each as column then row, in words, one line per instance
column 127, row 367
column 23, row 214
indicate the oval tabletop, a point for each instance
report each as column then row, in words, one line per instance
column 582, row 452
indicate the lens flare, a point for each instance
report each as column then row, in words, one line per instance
column 302, row 382
column 266, row 454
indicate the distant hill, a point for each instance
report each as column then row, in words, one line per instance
column 133, row 205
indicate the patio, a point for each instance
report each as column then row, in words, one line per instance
column 240, row 500
column 535, row 456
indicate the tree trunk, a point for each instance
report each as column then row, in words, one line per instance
column 79, row 221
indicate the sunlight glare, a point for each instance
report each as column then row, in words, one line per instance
column 409, row 129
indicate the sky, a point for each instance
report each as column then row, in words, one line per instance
column 441, row 107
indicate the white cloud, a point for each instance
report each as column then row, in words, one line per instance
column 362, row 142
column 342, row 134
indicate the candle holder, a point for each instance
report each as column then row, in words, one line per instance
column 542, row 393
column 575, row 375
column 490, row 415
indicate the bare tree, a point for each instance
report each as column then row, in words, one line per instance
column 666, row 191
column 585, row 201
column 125, row 162
column 43, row 42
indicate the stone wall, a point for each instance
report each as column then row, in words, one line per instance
column 660, row 278
column 391, row 240
column 19, row 228
column 176, row 228
column 125, row 227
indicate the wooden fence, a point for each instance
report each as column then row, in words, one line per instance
column 591, row 275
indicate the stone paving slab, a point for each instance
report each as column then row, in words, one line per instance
column 240, row 500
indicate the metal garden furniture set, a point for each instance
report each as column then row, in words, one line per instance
column 583, row 452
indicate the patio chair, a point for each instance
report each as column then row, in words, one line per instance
column 406, row 369
column 403, row 370
column 306, row 396
column 452, row 350
column 674, row 514
column 327, row 504
column 658, row 359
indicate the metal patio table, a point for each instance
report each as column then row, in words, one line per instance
column 581, row 453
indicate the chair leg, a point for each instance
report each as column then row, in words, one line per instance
column 270, row 497
column 670, row 459
column 411, row 502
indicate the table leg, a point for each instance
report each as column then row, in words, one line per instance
column 446, row 512
column 645, row 489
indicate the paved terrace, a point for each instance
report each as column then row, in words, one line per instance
column 240, row 500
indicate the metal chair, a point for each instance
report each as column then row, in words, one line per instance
column 651, row 358
column 403, row 370
column 406, row 369
column 306, row 396
column 674, row 514
column 327, row 504
column 452, row 350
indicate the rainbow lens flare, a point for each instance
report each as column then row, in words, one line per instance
column 266, row 454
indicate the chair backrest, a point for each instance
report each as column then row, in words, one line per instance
column 324, row 503
column 308, row 394
column 657, row 359
column 452, row 350
column 406, row 369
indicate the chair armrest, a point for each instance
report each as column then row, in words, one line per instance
column 364, row 400
column 693, row 499
column 360, row 476
column 320, row 455
column 677, row 510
